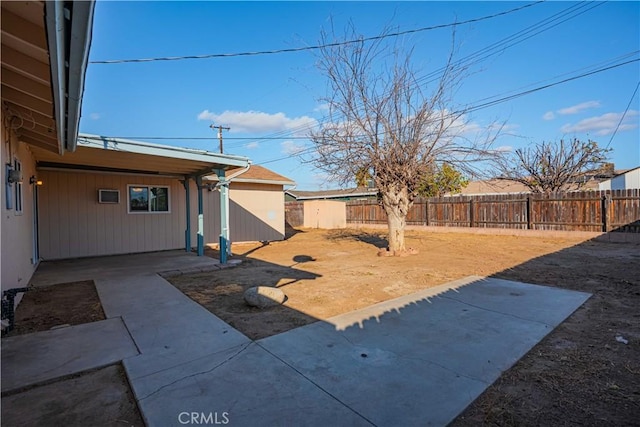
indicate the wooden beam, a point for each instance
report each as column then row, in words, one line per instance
column 27, row 101
column 18, row 81
column 45, row 120
column 27, row 133
column 36, row 141
column 25, row 65
column 21, row 29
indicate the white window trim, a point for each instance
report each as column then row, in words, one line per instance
column 149, row 211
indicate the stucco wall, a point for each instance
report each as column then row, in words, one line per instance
column 17, row 235
column 73, row 223
column 325, row 214
column 256, row 213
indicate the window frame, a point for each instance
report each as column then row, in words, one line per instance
column 148, row 187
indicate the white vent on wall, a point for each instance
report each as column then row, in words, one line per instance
column 108, row 196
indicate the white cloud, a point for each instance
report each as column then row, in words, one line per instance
column 259, row 122
column 95, row 116
column 604, row 124
column 548, row 116
column 575, row 109
column 252, row 145
column 504, row 149
column 291, row 148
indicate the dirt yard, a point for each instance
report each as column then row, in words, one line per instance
column 580, row 374
column 97, row 398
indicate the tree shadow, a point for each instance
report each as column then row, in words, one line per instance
column 372, row 238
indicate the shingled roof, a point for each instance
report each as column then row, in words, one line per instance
column 257, row 174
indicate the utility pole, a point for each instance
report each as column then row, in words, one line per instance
column 220, row 128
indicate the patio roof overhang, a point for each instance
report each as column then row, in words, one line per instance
column 45, row 47
column 97, row 153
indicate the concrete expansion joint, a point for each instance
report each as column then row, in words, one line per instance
column 324, row 390
column 242, row 348
column 546, row 325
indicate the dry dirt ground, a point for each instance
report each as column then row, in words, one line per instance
column 578, row 375
column 101, row 397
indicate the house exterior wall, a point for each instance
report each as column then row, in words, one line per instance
column 256, row 213
column 73, row 223
column 628, row 180
column 17, row 229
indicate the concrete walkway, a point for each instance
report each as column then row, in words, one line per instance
column 415, row 360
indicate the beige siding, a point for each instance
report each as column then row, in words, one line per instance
column 17, row 264
column 73, row 223
column 256, row 213
column 325, row 214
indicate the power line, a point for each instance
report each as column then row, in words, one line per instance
column 514, row 39
column 623, row 114
column 315, row 47
column 467, row 109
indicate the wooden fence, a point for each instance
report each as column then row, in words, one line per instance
column 617, row 210
column 294, row 214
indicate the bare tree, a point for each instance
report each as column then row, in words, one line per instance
column 383, row 119
column 548, row 167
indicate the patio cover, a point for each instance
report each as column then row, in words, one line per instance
column 114, row 155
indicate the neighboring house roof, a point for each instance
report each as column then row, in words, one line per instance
column 256, row 174
column 43, row 69
column 500, row 186
column 333, row 194
column 123, row 155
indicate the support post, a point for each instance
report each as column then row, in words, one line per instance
column 471, row 214
column 225, row 243
column 426, row 209
column 529, row 213
column 200, row 217
column 603, row 213
column 187, row 232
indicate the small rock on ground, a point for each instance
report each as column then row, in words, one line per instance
column 264, row 296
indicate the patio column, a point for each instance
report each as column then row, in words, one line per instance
column 225, row 242
column 200, row 217
column 187, row 233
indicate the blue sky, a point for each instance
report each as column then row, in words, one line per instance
column 270, row 100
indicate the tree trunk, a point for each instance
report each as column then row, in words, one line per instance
column 396, row 222
column 396, row 204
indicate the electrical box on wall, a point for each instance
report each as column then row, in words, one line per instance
column 108, row 196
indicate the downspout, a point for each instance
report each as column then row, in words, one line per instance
column 223, row 183
column 187, row 233
column 200, row 217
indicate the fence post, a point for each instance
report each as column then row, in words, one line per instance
column 603, row 213
column 529, row 210
column 471, row 214
column 426, row 208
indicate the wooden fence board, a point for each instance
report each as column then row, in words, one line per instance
column 611, row 210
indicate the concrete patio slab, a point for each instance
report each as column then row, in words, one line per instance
column 422, row 358
column 246, row 385
column 71, row 270
column 168, row 327
column 42, row 356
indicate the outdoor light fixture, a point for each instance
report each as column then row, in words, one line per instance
column 33, row 180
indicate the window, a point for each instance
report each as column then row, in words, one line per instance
column 144, row 199
column 18, row 193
